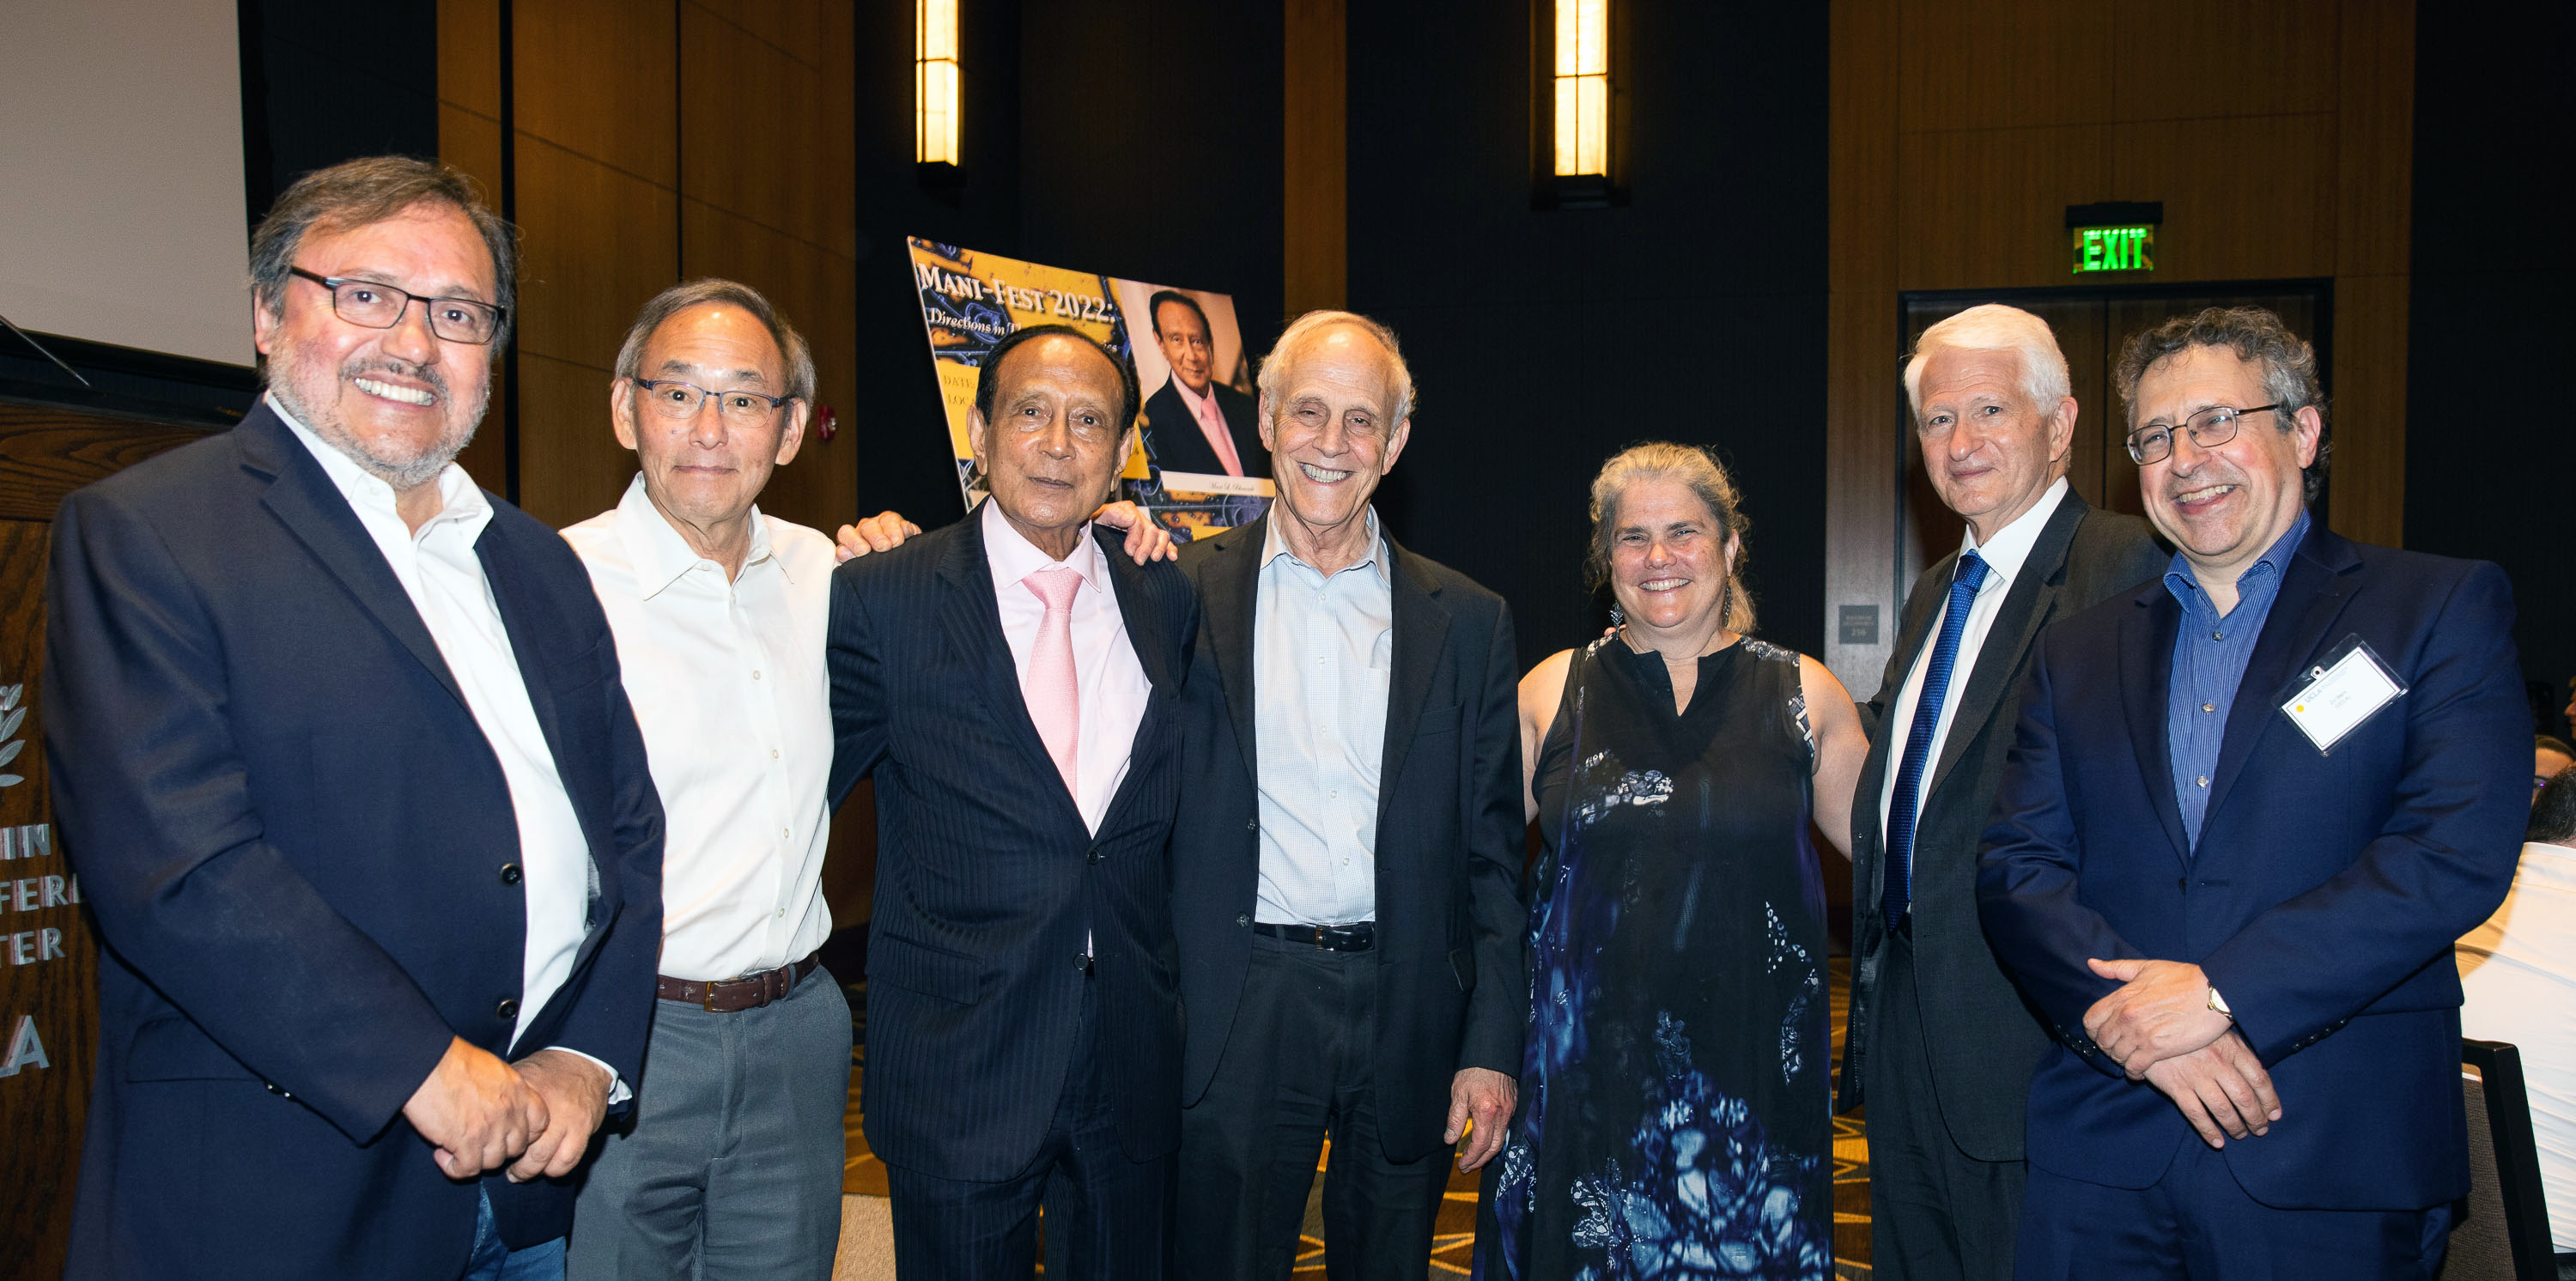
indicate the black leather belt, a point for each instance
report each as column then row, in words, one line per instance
column 1326, row 938
column 750, row 992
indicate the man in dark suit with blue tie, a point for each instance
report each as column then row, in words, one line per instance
column 340, row 752
column 1940, row 1045
column 1009, row 684
column 2249, row 808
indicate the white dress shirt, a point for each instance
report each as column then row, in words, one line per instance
column 1112, row 684
column 440, row 572
column 728, row 686
column 2004, row 557
column 2518, row 971
column 1322, row 650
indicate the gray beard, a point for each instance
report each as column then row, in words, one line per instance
column 403, row 474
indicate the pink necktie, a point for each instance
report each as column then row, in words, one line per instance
column 1055, row 699
column 1212, row 425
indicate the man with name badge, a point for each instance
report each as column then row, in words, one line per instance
column 2249, row 807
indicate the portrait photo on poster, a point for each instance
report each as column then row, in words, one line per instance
column 1197, row 465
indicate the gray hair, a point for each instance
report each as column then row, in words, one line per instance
column 2257, row 336
column 1996, row 327
column 371, row 189
column 1706, row 477
column 1298, row 330
column 679, row 298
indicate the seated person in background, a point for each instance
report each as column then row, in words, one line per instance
column 2550, row 758
column 2518, row 974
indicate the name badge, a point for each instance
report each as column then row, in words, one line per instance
column 2342, row 692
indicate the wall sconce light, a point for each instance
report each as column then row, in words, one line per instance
column 1574, row 116
column 935, row 80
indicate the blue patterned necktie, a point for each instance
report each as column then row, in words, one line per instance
column 1918, row 740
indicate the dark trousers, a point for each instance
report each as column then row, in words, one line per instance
column 1936, row 1213
column 1299, row 1062
column 1108, row 1218
column 2198, row 1224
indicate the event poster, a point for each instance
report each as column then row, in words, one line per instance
column 1197, row 465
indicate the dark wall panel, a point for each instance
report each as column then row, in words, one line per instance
column 1545, row 341
column 2491, row 459
column 325, row 82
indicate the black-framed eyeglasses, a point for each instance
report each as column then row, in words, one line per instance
column 672, row 398
column 2210, row 428
column 377, row 305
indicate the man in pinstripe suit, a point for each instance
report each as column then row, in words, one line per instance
column 1008, row 682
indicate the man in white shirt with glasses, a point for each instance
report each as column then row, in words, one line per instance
column 732, row 1167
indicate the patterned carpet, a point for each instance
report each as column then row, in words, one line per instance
column 1453, row 1243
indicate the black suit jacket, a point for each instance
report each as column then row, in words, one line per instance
column 1174, row 441
column 1452, row 989
column 987, row 880
column 2323, row 895
column 293, row 836
column 1981, row 1041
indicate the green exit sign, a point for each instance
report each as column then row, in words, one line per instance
column 2114, row 248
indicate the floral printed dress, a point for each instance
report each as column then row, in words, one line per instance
column 1674, row 1119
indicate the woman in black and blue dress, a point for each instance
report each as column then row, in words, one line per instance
column 1674, row 1113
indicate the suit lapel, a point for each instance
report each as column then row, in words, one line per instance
column 1421, row 627
column 1921, row 614
column 303, row 498
column 520, row 605
column 2313, row 594
column 2026, row 609
column 1148, row 633
column 1228, row 593
column 973, row 623
column 2146, row 675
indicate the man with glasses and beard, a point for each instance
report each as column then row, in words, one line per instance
column 339, row 751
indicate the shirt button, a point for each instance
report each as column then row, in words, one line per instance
column 509, row 873
column 755, row 675
column 773, row 752
column 783, row 833
column 782, row 913
column 2203, row 780
column 2218, row 635
column 2206, row 707
column 507, row 1010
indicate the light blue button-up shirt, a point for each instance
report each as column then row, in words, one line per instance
column 1322, row 649
column 2209, row 658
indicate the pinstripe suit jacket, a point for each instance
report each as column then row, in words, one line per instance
column 987, row 880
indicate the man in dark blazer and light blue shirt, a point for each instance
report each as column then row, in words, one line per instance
column 340, row 752
column 1010, row 685
column 2249, row 807
column 1940, row 1044
column 1346, row 868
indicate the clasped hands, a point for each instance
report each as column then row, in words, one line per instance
column 535, row 1115
column 2160, row 1028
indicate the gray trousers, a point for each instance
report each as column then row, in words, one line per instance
column 1936, row 1213
column 732, row 1166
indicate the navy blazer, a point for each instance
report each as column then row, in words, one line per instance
column 988, row 882
column 1452, row 985
column 300, row 852
column 2324, row 894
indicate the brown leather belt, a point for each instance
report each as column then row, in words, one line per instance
column 750, row 992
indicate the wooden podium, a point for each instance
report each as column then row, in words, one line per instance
column 48, row 983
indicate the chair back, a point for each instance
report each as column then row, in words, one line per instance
column 2502, row 1229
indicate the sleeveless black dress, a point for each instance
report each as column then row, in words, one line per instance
column 1675, row 1108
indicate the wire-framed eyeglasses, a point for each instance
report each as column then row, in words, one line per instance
column 377, row 305
column 673, row 398
column 2210, row 428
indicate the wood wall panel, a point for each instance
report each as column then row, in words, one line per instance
column 1315, row 155
column 2246, row 198
column 2200, row 58
column 817, row 290
column 2278, row 137
column 599, row 242
column 571, row 467
column 1987, row 207
column 750, row 136
column 596, row 77
column 469, row 60
column 2007, row 63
